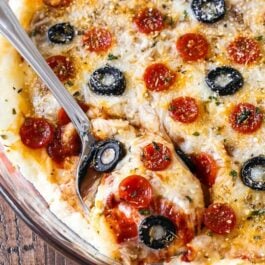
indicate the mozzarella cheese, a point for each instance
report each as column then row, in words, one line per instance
column 211, row 133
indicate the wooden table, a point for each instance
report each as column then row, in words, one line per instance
column 20, row 246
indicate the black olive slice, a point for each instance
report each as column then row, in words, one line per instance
column 61, row 33
column 107, row 155
column 108, row 81
column 157, row 231
column 253, row 173
column 225, row 80
column 208, row 11
column 186, row 159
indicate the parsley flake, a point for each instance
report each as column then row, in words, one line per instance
column 259, row 38
column 196, row 134
column 243, row 116
column 144, row 211
column 112, row 57
column 233, row 173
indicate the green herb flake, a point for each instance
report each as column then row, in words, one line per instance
column 14, row 112
column 185, row 14
column 171, row 108
column 258, row 111
column 3, row 136
column 112, row 57
column 189, row 199
column 257, row 212
column 167, row 158
column 196, row 134
column 69, row 83
column 80, row 32
column 259, row 38
column 156, row 146
column 169, row 21
column 76, row 94
column 209, row 233
column 154, row 44
column 243, row 116
column 144, row 211
column 20, row 90
column 212, row 98
column 219, row 129
column 233, row 173
column 34, row 33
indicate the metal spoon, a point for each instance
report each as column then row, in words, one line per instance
column 12, row 30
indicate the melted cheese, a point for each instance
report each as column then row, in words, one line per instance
column 211, row 133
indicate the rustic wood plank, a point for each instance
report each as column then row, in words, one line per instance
column 19, row 245
column 39, row 248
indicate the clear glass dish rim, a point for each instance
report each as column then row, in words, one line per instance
column 82, row 253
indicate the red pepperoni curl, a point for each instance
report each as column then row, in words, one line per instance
column 246, row 118
column 206, row 168
column 156, row 156
column 192, row 47
column 57, row 3
column 123, row 227
column 149, row 20
column 158, row 77
column 136, row 190
column 59, row 149
column 97, row 40
column 62, row 116
column 244, row 50
column 220, row 218
column 184, row 109
column 62, row 66
column 36, row 132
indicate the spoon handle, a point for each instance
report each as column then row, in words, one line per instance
column 12, row 30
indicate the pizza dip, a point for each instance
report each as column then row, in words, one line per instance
column 174, row 90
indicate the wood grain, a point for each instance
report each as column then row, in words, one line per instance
column 20, row 246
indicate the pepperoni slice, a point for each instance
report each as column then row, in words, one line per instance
column 55, row 148
column 156, row 156
column 36, row 132
column 136, row 190
column 206, row 168
column 158, row 77
column 62, row 66
column 97, row 40
column 184, row 109
column 149, row 20
column 59, row 149
column 62, row 116
column 244, row 50
column 123, row 227
column 220, row 218
column 246, row 118
column 57, row 3
column 192, row 47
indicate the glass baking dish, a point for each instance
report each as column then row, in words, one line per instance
column 27, row 202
